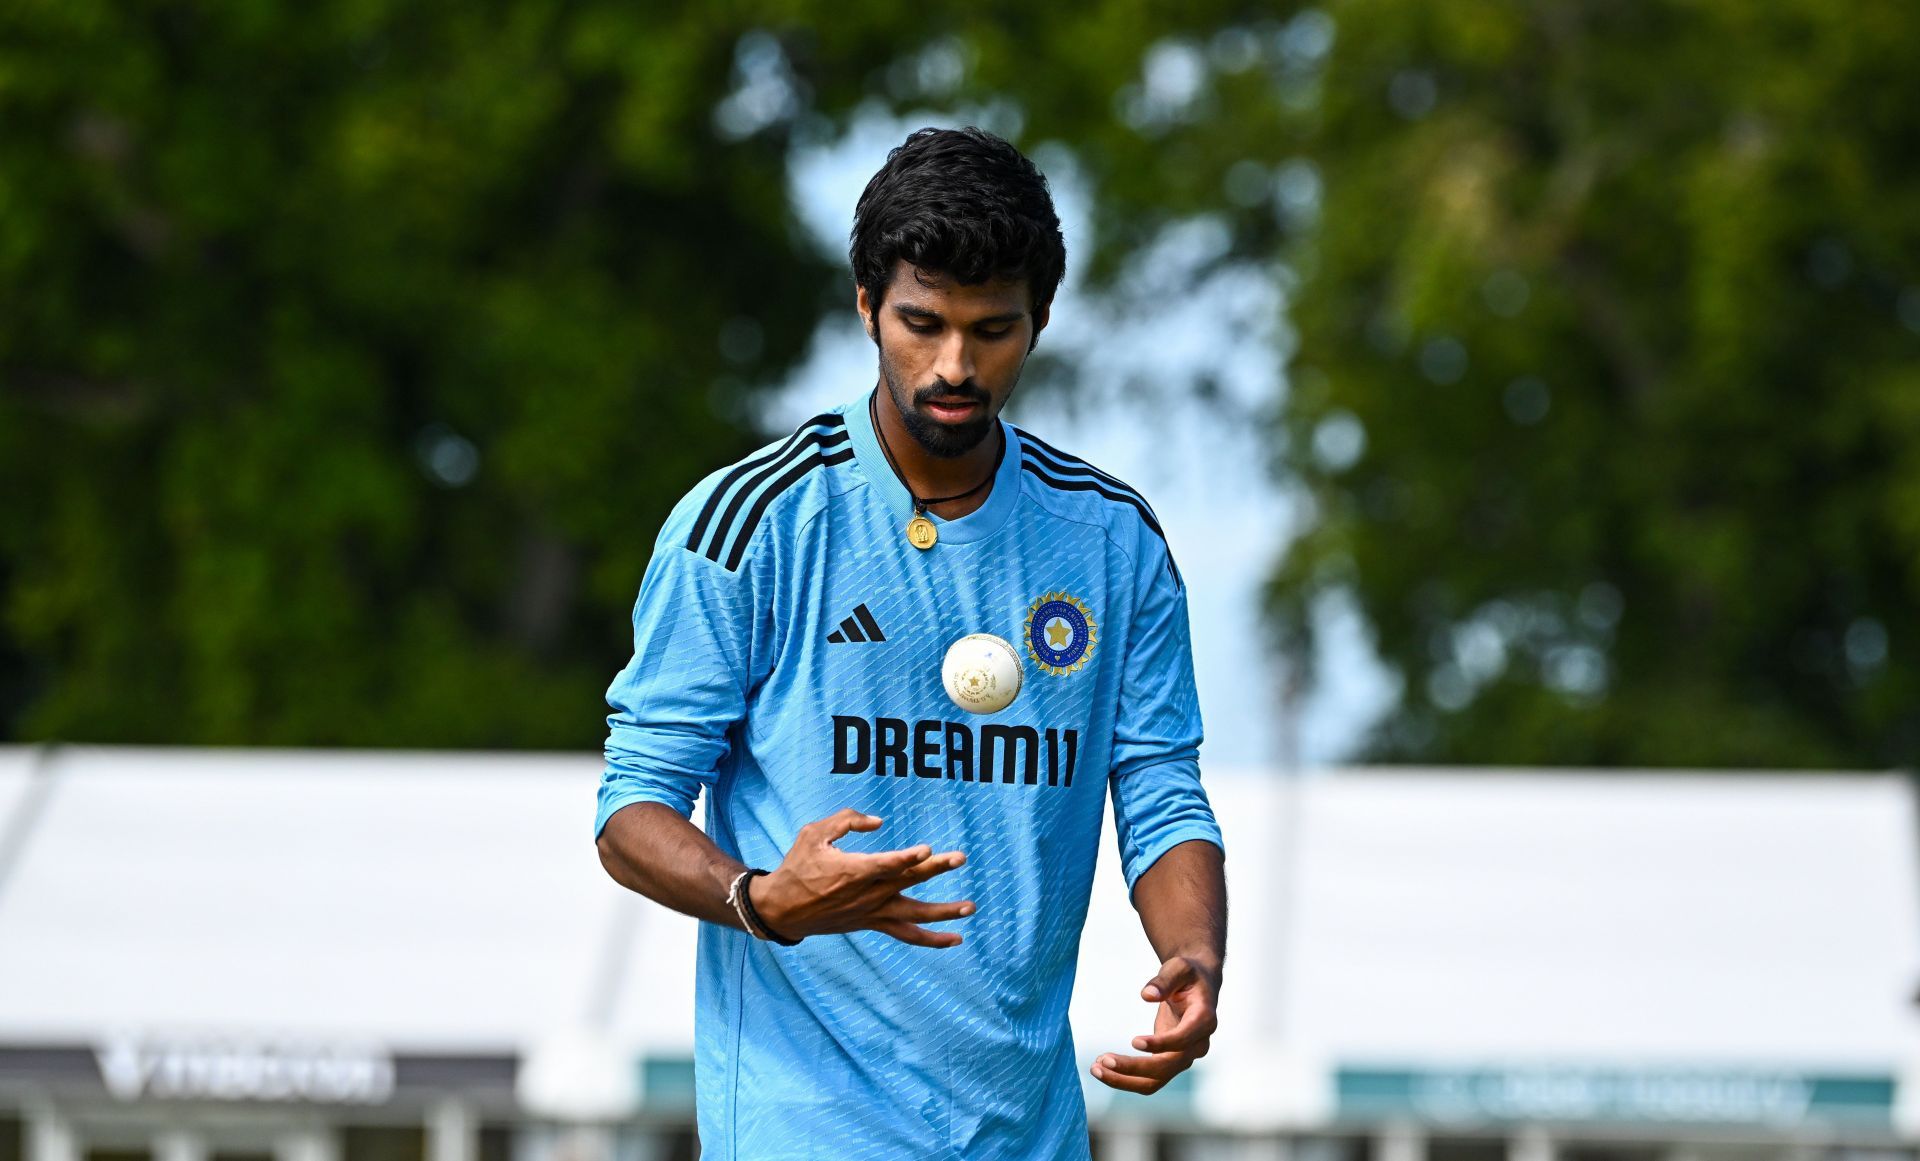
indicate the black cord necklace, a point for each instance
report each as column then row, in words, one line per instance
column 922, row 533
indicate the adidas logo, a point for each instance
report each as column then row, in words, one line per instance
column 859, row 627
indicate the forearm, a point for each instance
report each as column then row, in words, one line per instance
column 1182, row 901
column 649, row 848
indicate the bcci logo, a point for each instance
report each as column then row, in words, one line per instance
column 1060, row 633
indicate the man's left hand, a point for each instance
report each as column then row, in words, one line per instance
column 1187, row 992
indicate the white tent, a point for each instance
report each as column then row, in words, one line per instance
column 1576, row 930
column 1450, row 946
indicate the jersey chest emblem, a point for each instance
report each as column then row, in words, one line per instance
column 1061, row 633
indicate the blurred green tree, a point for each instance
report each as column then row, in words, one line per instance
column 1604, row 381
column 351, row 354
column 350, row 357
column 1604, row 386
column 1607, row 386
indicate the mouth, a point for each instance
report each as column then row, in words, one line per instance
column 953, row 410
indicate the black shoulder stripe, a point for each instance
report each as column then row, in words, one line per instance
column 825, row 419
column 1051, row 457
column 1066, row 462
column 1128, row 497
column 818, row 459
column 802, row 446
column 1048, row 463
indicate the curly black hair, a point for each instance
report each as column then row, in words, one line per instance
column 963, row 203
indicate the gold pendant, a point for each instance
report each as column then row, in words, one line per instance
column 921, row 533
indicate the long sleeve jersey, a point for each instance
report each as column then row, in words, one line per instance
column 788, row 641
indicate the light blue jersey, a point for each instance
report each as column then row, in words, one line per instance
column 787, row 651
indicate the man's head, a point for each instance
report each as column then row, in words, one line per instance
column 957, row 252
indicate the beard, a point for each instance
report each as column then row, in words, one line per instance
column 945, row 440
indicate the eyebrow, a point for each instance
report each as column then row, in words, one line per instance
column 921, row 312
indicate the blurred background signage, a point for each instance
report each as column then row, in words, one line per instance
column 1689, row 1096
column 133, row 1067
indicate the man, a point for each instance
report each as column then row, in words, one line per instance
column 788, row 642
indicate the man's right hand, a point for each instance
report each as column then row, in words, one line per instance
column 820, row 889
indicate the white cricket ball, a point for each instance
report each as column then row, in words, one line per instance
column 982, row 673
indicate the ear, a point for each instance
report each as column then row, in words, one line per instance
column 1040, row 318
column 863, row 306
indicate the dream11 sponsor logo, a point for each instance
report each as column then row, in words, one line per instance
column 230, row 1069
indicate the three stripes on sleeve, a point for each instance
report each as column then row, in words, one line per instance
column 1051, row 466
column 747, row 490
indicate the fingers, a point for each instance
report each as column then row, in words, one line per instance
column 1185, row 1025
column 916, row 864
column 1141, row 1074
column 839, row 824
column 887, row 864
column 917, row 935
column 930, row 866
column 1194, row 1029
column 1173, row 975
column 910, row 866
column 915, row 911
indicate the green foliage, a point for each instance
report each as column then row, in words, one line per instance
column 350, row 356
column 1624, row 299
column 263, row 266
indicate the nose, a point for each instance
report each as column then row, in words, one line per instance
column 954, row 363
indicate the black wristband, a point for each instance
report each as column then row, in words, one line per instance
column 746, row 904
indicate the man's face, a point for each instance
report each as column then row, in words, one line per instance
column 950, row 355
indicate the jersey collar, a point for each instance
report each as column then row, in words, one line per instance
column 975, row 525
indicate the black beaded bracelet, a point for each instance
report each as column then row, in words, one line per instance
column 752, row 916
